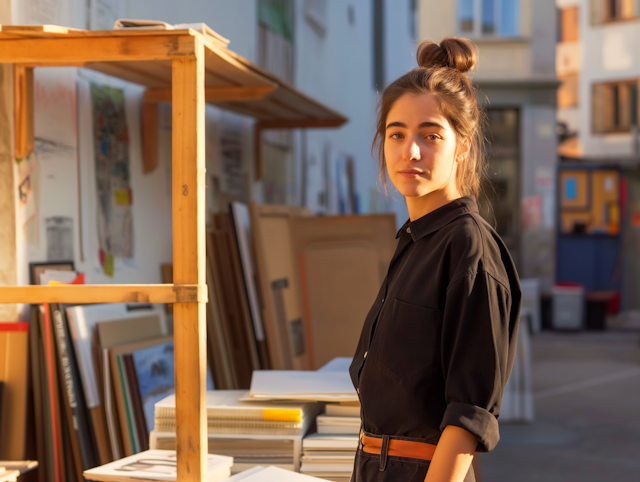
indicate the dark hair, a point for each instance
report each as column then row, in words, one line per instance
column 440, row 72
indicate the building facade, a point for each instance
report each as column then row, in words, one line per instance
column 516, row 77
column 598, row 108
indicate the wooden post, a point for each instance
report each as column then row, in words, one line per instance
column 149, row 137
column 23, row 111
column 189, row 262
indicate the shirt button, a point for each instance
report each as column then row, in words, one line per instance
column 358, row 390
column 409, row 230
column 383, row 300
column 365, row 354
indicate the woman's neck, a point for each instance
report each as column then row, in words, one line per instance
column 423, row 205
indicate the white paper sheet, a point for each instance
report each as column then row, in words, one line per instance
column 272, row 474
column 58, row 276
column 324, row 386
column 338, row 364
column 152, row 465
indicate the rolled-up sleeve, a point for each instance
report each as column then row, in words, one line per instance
column 476, row 355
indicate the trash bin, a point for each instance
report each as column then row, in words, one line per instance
column 599, row 304
column 567, row 307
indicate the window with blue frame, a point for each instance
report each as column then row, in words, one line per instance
column 489, row 18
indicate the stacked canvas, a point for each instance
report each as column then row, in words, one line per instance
column 254, row 433
column 96, row 372
column 151, row 465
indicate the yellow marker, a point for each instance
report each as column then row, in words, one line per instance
column 282, row 414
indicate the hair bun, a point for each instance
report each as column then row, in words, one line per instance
column 453, row 52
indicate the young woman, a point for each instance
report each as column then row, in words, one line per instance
column 438, row 345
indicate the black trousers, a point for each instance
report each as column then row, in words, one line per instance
column 370, row 468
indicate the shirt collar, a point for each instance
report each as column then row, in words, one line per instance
column 432, row 222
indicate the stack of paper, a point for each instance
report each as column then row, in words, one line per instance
column 340, row 419
column 271, row 474
column 329, row 456
column 153, row 465
column 252, row 432
column 325, row 386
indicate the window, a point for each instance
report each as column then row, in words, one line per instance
column 603, row 11
column 489, row 17
column 615, row 106
column 500, row 196
column 569, row 24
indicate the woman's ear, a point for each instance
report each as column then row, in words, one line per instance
column 463, row 150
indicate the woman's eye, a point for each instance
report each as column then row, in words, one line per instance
column 396, row 136
column 432, row 137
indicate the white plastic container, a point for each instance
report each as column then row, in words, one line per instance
column 567, row 307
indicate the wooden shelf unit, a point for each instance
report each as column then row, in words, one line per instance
column 188, row 69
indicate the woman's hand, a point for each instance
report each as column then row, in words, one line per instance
column 453, row 456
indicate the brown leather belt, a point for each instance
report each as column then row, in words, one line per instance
column 398, row 448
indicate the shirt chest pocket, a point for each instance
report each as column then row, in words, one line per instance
column 408, row 342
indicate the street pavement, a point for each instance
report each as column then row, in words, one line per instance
column 587, row 401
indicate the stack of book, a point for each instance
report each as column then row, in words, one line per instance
column 253, row 433
column 330, row 452
column 152, row 465
column 329, row 456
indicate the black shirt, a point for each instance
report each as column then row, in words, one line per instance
column 438, row 345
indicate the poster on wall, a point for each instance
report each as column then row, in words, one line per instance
column 59, row 238
column 231, row 156
column 41, row 12
column 113, row 181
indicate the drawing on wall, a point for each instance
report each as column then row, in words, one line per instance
column 27, row 179
column 231, row 156
column 59, row 238
column 104, row 13
column 113, row 181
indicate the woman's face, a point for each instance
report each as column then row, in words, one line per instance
column 420, row 147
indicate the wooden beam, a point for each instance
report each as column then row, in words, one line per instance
column 23, row 110
column 167, row 293
column 302, row 123
column 96, row 49
column 189, row 263
column 149, row 137
column 215, row 94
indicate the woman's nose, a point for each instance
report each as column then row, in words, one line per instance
column 413, row 152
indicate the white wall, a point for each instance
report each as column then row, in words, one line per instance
column 235, row 20
column 335, row 69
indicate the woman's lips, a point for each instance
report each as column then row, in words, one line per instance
column 410, row 173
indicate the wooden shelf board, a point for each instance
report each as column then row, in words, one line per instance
column 160, row 293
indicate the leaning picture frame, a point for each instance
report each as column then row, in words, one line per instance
column 36, row 269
